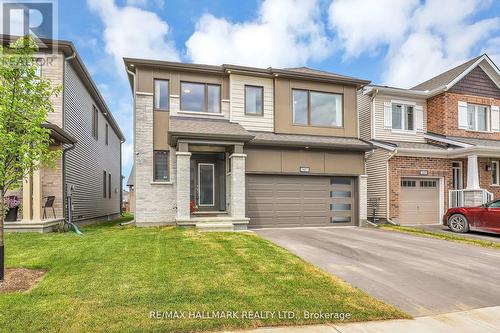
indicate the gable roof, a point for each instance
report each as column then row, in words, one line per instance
column 450, row 77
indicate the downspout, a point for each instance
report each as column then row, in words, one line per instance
column 65, row 150
column 133, row 93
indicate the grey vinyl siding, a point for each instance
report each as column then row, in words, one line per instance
column 377, row 171
column 364, row 111
column 85, row 164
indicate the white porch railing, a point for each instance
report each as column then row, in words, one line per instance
column 469, row 198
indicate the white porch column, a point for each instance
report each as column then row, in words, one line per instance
column 237, row 185
column 27, row 199
column 37, row 195
column 363, row 199
column 472, row 173
column 183, row 185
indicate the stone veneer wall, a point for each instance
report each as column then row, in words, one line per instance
column 155, row 202
column 442, row 115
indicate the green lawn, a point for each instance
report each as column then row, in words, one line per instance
column 112, row 277
column 449, row 237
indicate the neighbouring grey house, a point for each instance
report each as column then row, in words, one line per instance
column 82, row 127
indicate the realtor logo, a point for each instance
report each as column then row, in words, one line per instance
column 29, row 17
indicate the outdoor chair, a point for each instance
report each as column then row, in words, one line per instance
column 49, row 203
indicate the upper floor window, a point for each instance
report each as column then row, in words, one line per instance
column 161, row 169
column 200, row 97
column 477, row 117
column 317, row 108
column 403, row 117
column 254, row 97
column 95, row 122
column 106, row 138
column 161, row 94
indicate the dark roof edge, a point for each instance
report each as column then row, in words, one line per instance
column 228, row 68
column 60, row 134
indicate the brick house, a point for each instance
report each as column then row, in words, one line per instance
column 438, row 143
column 229, row 147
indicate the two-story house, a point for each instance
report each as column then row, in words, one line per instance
column 226, row 147
column 437, row 143
column 83, row 128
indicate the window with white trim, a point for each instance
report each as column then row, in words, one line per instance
column 495, row 173
column 478, row 118
column 403, row 117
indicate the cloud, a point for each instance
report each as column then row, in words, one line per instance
column 284, row 33
column 493, row 50
column 133, row 32
column 421, row 39
column 365, row 25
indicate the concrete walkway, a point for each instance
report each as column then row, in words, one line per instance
column 485, row 320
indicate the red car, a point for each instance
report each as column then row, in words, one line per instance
column 483, row 218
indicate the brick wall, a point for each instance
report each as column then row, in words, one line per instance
column 485, row 177
column 402, row 166
column 442, row 115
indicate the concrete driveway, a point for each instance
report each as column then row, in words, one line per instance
column 421, row 276
column 472, row 234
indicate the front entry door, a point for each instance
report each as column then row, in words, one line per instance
column 206, row 185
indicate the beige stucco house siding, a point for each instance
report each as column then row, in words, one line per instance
column 383, row 133
column 263, row 122
column 284, row 116
column 145, row 84
column 289, row 161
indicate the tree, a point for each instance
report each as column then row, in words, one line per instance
column 24, row 106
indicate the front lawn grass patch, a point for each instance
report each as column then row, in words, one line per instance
column 113, row 277
column 452, row 238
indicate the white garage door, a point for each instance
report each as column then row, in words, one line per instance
column 419, row 201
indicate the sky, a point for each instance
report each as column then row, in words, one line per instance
column 392, row 42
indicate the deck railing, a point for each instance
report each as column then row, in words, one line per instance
column 469, row 198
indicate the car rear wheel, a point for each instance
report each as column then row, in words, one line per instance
column 458, row 223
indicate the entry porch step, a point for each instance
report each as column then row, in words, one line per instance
column 216, row 223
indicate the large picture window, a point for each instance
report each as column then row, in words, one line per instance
column 200, row 97
column 403, row 117
column 161, row 94
column 317, row 108
column 254, row 97
column 161, row 169
column 478, row 117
